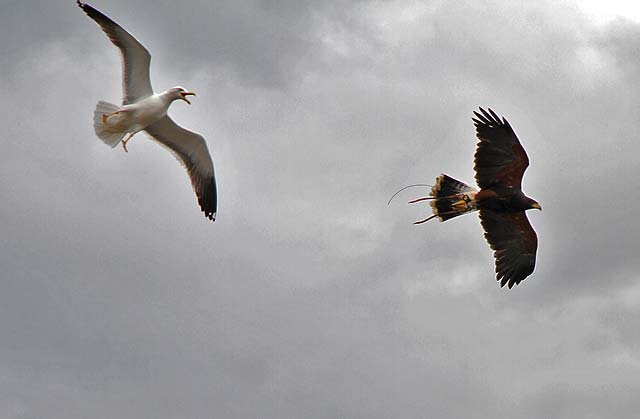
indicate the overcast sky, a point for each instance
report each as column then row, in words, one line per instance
column 309, row 297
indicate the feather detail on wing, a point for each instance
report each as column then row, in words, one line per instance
column 514, row 242
column 136, row 84
column 499, row 157
column 191, row 150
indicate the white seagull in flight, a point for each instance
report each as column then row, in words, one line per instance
column 144, row 110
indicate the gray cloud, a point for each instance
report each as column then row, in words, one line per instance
column 309, row 297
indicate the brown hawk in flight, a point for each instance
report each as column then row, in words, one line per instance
column 500, row 162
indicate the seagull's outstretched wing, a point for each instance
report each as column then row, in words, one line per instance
column 191, row 150
column 136, row 84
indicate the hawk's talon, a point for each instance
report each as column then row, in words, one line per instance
column 461, row 204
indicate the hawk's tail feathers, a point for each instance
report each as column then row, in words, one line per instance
column 451, row 198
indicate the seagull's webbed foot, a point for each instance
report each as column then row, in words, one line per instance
column 107, row 116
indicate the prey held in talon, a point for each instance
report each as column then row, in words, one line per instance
column 499, row 164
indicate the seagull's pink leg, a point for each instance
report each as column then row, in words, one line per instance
column 124, row 142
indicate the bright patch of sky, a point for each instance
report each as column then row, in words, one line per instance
column 603, row 12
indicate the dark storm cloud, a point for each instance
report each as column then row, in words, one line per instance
column 309, row 297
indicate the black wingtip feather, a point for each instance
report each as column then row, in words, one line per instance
column 495, row 117
column 481, row 117
column 207, row 198
column 100, row 18
column 490, row 118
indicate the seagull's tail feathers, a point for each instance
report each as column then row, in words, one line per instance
column 106, row 133
column 451, row 198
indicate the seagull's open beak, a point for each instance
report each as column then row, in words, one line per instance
column 185, row 94
column 536, row 206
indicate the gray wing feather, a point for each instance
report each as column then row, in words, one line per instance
column 191, row 150
column 136, row 84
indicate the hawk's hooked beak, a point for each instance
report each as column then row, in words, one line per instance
column 536, row 206
column 185, row 94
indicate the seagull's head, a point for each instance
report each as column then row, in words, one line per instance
column 180, row 93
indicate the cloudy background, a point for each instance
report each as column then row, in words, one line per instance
column 309, row 297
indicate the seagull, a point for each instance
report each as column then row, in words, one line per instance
column 144, row 110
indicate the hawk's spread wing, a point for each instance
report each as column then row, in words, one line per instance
column 135, row 58
column 514, row 243
column 499, row 158
column 191, row 150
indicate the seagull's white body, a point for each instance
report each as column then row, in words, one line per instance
column 137, row 116
column 144, row 110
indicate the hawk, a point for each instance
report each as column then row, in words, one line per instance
column 499, row 164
